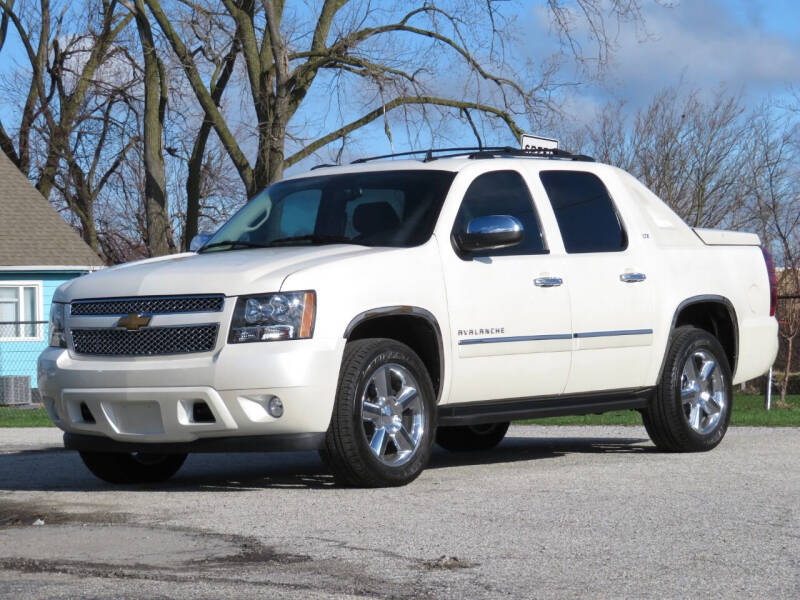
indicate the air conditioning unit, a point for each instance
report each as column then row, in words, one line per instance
column 15, row 389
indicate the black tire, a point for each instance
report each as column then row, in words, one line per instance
column 468, row 438
column 667, row 418
column 347, row 452
column 115, row 467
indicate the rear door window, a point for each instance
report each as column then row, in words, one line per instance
column 586, row 215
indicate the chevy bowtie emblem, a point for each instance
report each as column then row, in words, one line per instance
column 133, row 322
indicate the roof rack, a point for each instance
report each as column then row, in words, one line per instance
column 478, row 152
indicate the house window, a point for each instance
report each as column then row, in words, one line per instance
column 20, row 310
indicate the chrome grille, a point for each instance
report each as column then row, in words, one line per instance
column 153, row 305
column 148, row 341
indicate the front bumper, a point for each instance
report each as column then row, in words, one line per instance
column 150, row 401
column 253, row 443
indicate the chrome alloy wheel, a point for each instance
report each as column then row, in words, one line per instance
column 392, row 414
column 703, row 396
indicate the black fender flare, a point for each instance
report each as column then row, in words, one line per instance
column 405, row 311
column 698, row 300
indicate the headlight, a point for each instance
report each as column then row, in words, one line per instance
column 273, row 317
column 57, row 315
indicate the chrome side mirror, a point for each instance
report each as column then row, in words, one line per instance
column 200, row 240
column 491, row 232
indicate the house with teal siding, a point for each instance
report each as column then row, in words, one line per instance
column 38, row 252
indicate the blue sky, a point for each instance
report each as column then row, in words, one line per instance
column 750, row 47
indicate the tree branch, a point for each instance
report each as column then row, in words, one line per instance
column 204, row 97
column 404, row 101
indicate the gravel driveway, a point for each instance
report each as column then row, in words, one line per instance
column 553, row 512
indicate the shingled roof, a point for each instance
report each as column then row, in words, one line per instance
column 32, row 233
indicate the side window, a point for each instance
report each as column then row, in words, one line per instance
column 585, row 213
column 502, row 193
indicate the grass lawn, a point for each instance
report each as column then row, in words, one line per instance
column 747, row 410
column 11, row 416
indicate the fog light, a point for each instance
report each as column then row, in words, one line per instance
column 275, row 407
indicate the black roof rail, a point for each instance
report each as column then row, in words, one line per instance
column 322, row 166
column 530, row 152
column 478, row 152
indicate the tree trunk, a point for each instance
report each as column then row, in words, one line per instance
column 159, row 237
column 81, row 202
column 194, row 183
column 194, row 178
column 787, row 370
column 89, row 230
column 277, row 142
column 58, row 141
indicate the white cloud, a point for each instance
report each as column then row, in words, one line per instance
column 703, row 44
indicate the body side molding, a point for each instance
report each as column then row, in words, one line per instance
column 518, row 338
column 554, row 336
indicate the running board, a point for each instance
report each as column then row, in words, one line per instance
column 478, row 413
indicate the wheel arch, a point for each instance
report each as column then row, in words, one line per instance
column 712, row 313
column 413, row 326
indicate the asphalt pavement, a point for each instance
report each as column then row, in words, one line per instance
column 554, row 512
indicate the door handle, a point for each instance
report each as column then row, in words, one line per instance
column 548, row 281
column 632, row 277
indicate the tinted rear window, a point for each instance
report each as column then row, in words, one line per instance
column 585, row 213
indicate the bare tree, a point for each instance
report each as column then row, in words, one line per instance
column 388, row 58
column 159, row 239
column 71, row 105
column 305, row 77
column 73, row 69
column 202, row 170
column 36, row 47
column 690, row 152
column 774, row 186
column 97, row 147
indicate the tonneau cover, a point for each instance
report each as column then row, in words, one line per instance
column 722, row 237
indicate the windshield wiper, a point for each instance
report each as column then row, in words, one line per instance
column 233, row 244
column 314, row 239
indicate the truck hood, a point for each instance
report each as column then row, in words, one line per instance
column 233, row 272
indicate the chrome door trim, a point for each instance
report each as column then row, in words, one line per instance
column 518, row 338
column 553, row 336
column 593, row 334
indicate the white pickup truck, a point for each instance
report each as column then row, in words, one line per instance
column 371, row 310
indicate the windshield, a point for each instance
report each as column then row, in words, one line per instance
column 378, row 208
